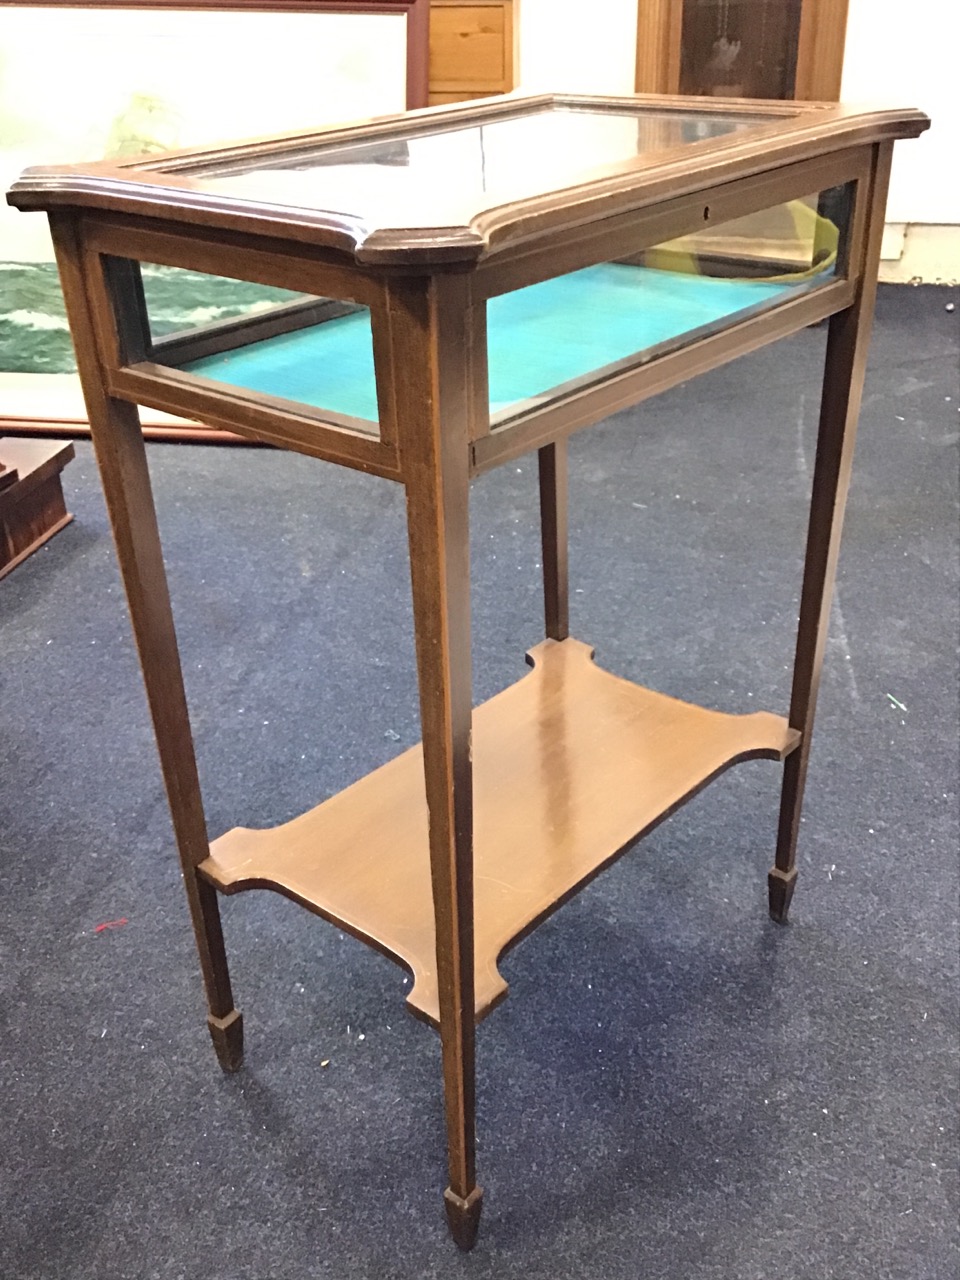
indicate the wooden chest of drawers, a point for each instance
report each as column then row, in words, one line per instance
column 472, row 49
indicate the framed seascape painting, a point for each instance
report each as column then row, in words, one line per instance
column 80, row 84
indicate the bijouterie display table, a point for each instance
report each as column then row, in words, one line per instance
column 445, row 291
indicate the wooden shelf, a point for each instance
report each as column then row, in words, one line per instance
column 571, row 766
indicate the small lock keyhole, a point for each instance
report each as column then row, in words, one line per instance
column 706, row 213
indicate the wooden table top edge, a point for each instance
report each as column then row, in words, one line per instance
column 163, row 186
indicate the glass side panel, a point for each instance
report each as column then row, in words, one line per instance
column 543, row 341
column 740, row 48
column 549, row 338
column 444, row 177
column 552, row 338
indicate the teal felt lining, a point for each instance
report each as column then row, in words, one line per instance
column 538, row 338
column 329, row 366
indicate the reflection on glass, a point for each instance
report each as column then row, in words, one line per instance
column 740, row 48
column 289, row 346
column 543, row 341
column 444, row 177
column 181, row 300
column 551, row 338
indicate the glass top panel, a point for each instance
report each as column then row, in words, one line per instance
column 444, row 177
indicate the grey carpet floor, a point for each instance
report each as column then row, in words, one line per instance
column 676, row 1088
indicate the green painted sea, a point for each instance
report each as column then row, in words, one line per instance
column 35, row 338
column 542, row 337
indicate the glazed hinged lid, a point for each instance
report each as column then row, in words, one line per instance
column 457, row 183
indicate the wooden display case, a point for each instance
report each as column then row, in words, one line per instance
column 483, row 281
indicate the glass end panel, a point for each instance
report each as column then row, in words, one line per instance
column 181, row 301
column 553, row 338
column 298, row 348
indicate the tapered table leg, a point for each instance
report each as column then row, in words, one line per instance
column 553, row 539
column 121, row 457
column 847, row 344
column 429, row 323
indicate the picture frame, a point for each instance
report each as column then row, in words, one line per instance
column 149, row 75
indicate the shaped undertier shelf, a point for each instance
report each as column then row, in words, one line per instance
column 570, row 764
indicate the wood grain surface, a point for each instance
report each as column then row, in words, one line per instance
column 571, row 765
column 32, row 507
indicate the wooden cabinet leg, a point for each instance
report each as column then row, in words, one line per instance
column 847, row 343
column 431, row 383
column 441, row 606
column 121, row 457
column 553, row 539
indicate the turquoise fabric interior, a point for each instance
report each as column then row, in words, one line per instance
column 538, row 337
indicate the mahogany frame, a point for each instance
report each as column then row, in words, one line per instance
column 404, row 879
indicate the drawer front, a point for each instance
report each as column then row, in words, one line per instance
column 470, row 49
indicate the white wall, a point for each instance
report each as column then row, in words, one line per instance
column 567, row 46
column 902, row 54
column 897, row 53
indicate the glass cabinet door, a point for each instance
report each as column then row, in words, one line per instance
column 740, row 48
